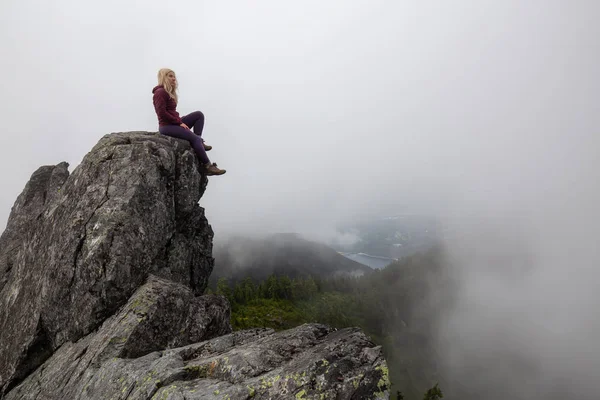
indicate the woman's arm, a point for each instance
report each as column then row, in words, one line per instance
column 160, row 106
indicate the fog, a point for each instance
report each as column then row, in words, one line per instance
column 483, row 114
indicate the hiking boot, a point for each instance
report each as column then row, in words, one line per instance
column 207, row 147
column 212, row 169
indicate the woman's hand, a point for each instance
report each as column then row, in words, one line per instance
column 184, row 126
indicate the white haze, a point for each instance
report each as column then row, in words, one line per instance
column 482, row 113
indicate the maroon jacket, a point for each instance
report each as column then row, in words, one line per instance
column 165, row 107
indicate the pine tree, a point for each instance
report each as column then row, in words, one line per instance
column 224, row 289
column 435, row 393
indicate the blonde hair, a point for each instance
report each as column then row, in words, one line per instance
column 164, row 81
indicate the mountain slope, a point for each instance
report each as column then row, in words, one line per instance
column 280, row 254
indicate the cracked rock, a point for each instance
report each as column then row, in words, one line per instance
column 76, row 247
column 160, row 315
column 308, row 362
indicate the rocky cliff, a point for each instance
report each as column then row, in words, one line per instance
column 101, row 279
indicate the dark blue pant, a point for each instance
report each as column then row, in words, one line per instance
column 195, row 121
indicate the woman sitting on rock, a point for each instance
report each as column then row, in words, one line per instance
column 170, row 124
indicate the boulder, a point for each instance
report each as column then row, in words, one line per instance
column 77, row 246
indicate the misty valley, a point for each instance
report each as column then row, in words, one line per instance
column 281, row 281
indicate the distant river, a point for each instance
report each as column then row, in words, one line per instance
column 375, row 262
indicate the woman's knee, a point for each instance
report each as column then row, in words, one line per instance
column 196, row 115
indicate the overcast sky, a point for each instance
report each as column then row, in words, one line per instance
column 321, row 111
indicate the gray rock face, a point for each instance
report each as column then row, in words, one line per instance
column 41, row 189
column 76, row 247
column 308, row 362
column 161, row 314
column 101, row 276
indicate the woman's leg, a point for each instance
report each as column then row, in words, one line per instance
column 195, row 121
column 178, row 132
